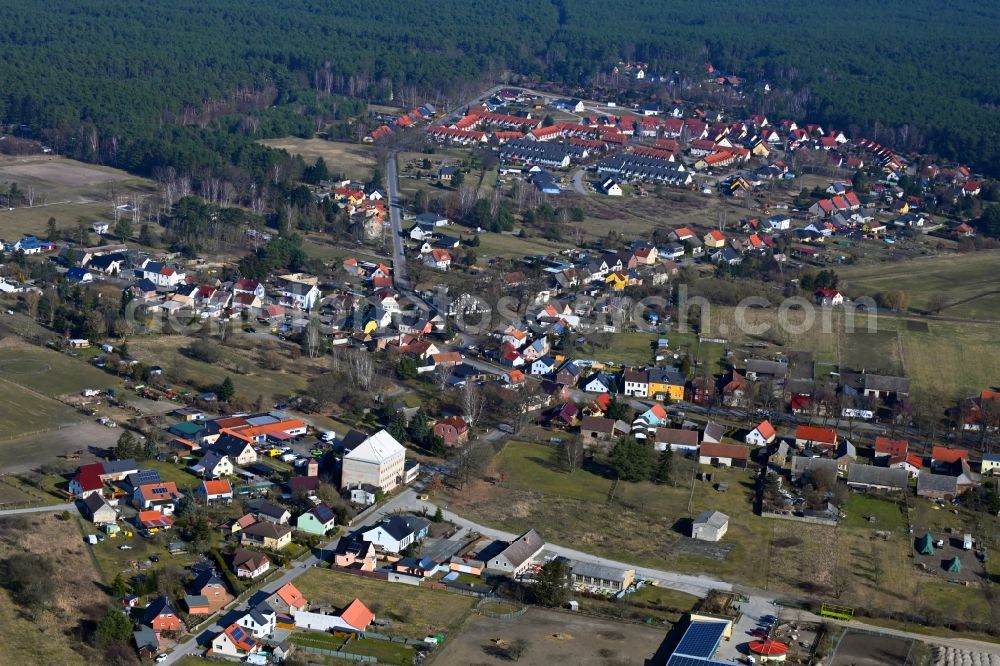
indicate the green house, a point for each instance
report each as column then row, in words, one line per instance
column 319, row 520
column 925, row 544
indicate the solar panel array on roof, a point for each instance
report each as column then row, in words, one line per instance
column 148, row 476
column 159, row 491
column 683, row 660
column 238, row 633
column 701, row 639
column 261, row 420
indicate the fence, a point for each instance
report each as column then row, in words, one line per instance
column 830, row 522
column 482, row 609
column 411, row 642
column 347, row 656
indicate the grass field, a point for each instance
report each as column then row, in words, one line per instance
column 966, row 281
column 165, row 351
column 415, row 612
column 951, row 359
column 50, row 372
column 355, row 161
column 642, row 524
column 22, row 413
column 64, row 189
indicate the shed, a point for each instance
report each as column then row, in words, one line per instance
column 709, row 526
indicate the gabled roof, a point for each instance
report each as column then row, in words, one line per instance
column 522, row 548
column 267, row 530
column 267, row 508
column 218, row 487
column 943, row 454
column 248, row 558
column 357, row 615
column 816, row 434
column 765, row 429
column 291, row 596
column 159, row 606
column 323, row 513
column 734, row 451
column 894, row 448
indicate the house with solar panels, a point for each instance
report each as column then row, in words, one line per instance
column 699, row 643
column 235, row 641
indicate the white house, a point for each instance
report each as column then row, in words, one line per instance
column 612, row 188
column 518, row 555
column 394, row 534
column 636, row 383
column 259, row 621
column 543, row 365
column 234, row 642
column 762, row 435
column 161, row 274
column 301, row 295
column 599, row 383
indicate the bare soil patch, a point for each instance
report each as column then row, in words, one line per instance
column 553, row 638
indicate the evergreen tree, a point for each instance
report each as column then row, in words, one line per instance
column 226, row 390
column 397, row 428
column 552, row 584
column 631, row 460
column 119, row 588
column 664, row 466
column 127, row 446
column 114, row 627
column 438, row 516
column 420, row 429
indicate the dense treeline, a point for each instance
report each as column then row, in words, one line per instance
column 107, row 80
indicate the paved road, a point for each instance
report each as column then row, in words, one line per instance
column 39, row 509
column 578, row 182
column 399, row 273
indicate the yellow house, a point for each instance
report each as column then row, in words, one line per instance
column 617, row 280
column 715, row 239
column 266, row 535
column 761, row 150
column 666, row 384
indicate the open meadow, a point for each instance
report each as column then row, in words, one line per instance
column 64, row 189
column 415, row 612
column 966, row 283
column 240, row 365
column 636, row 522
column 355, row 161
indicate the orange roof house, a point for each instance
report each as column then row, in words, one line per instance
column 894, row 449
column 357, row 615
column 715, row 239
column 943, row 455
column 806, row 435
column 290, row 598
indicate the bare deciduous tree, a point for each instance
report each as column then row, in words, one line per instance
column 573, row 454
column 472, row 402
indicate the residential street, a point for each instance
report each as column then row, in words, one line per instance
column 395, row 217
column 39, row 509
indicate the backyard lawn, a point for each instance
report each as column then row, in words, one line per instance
column 415, row 612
